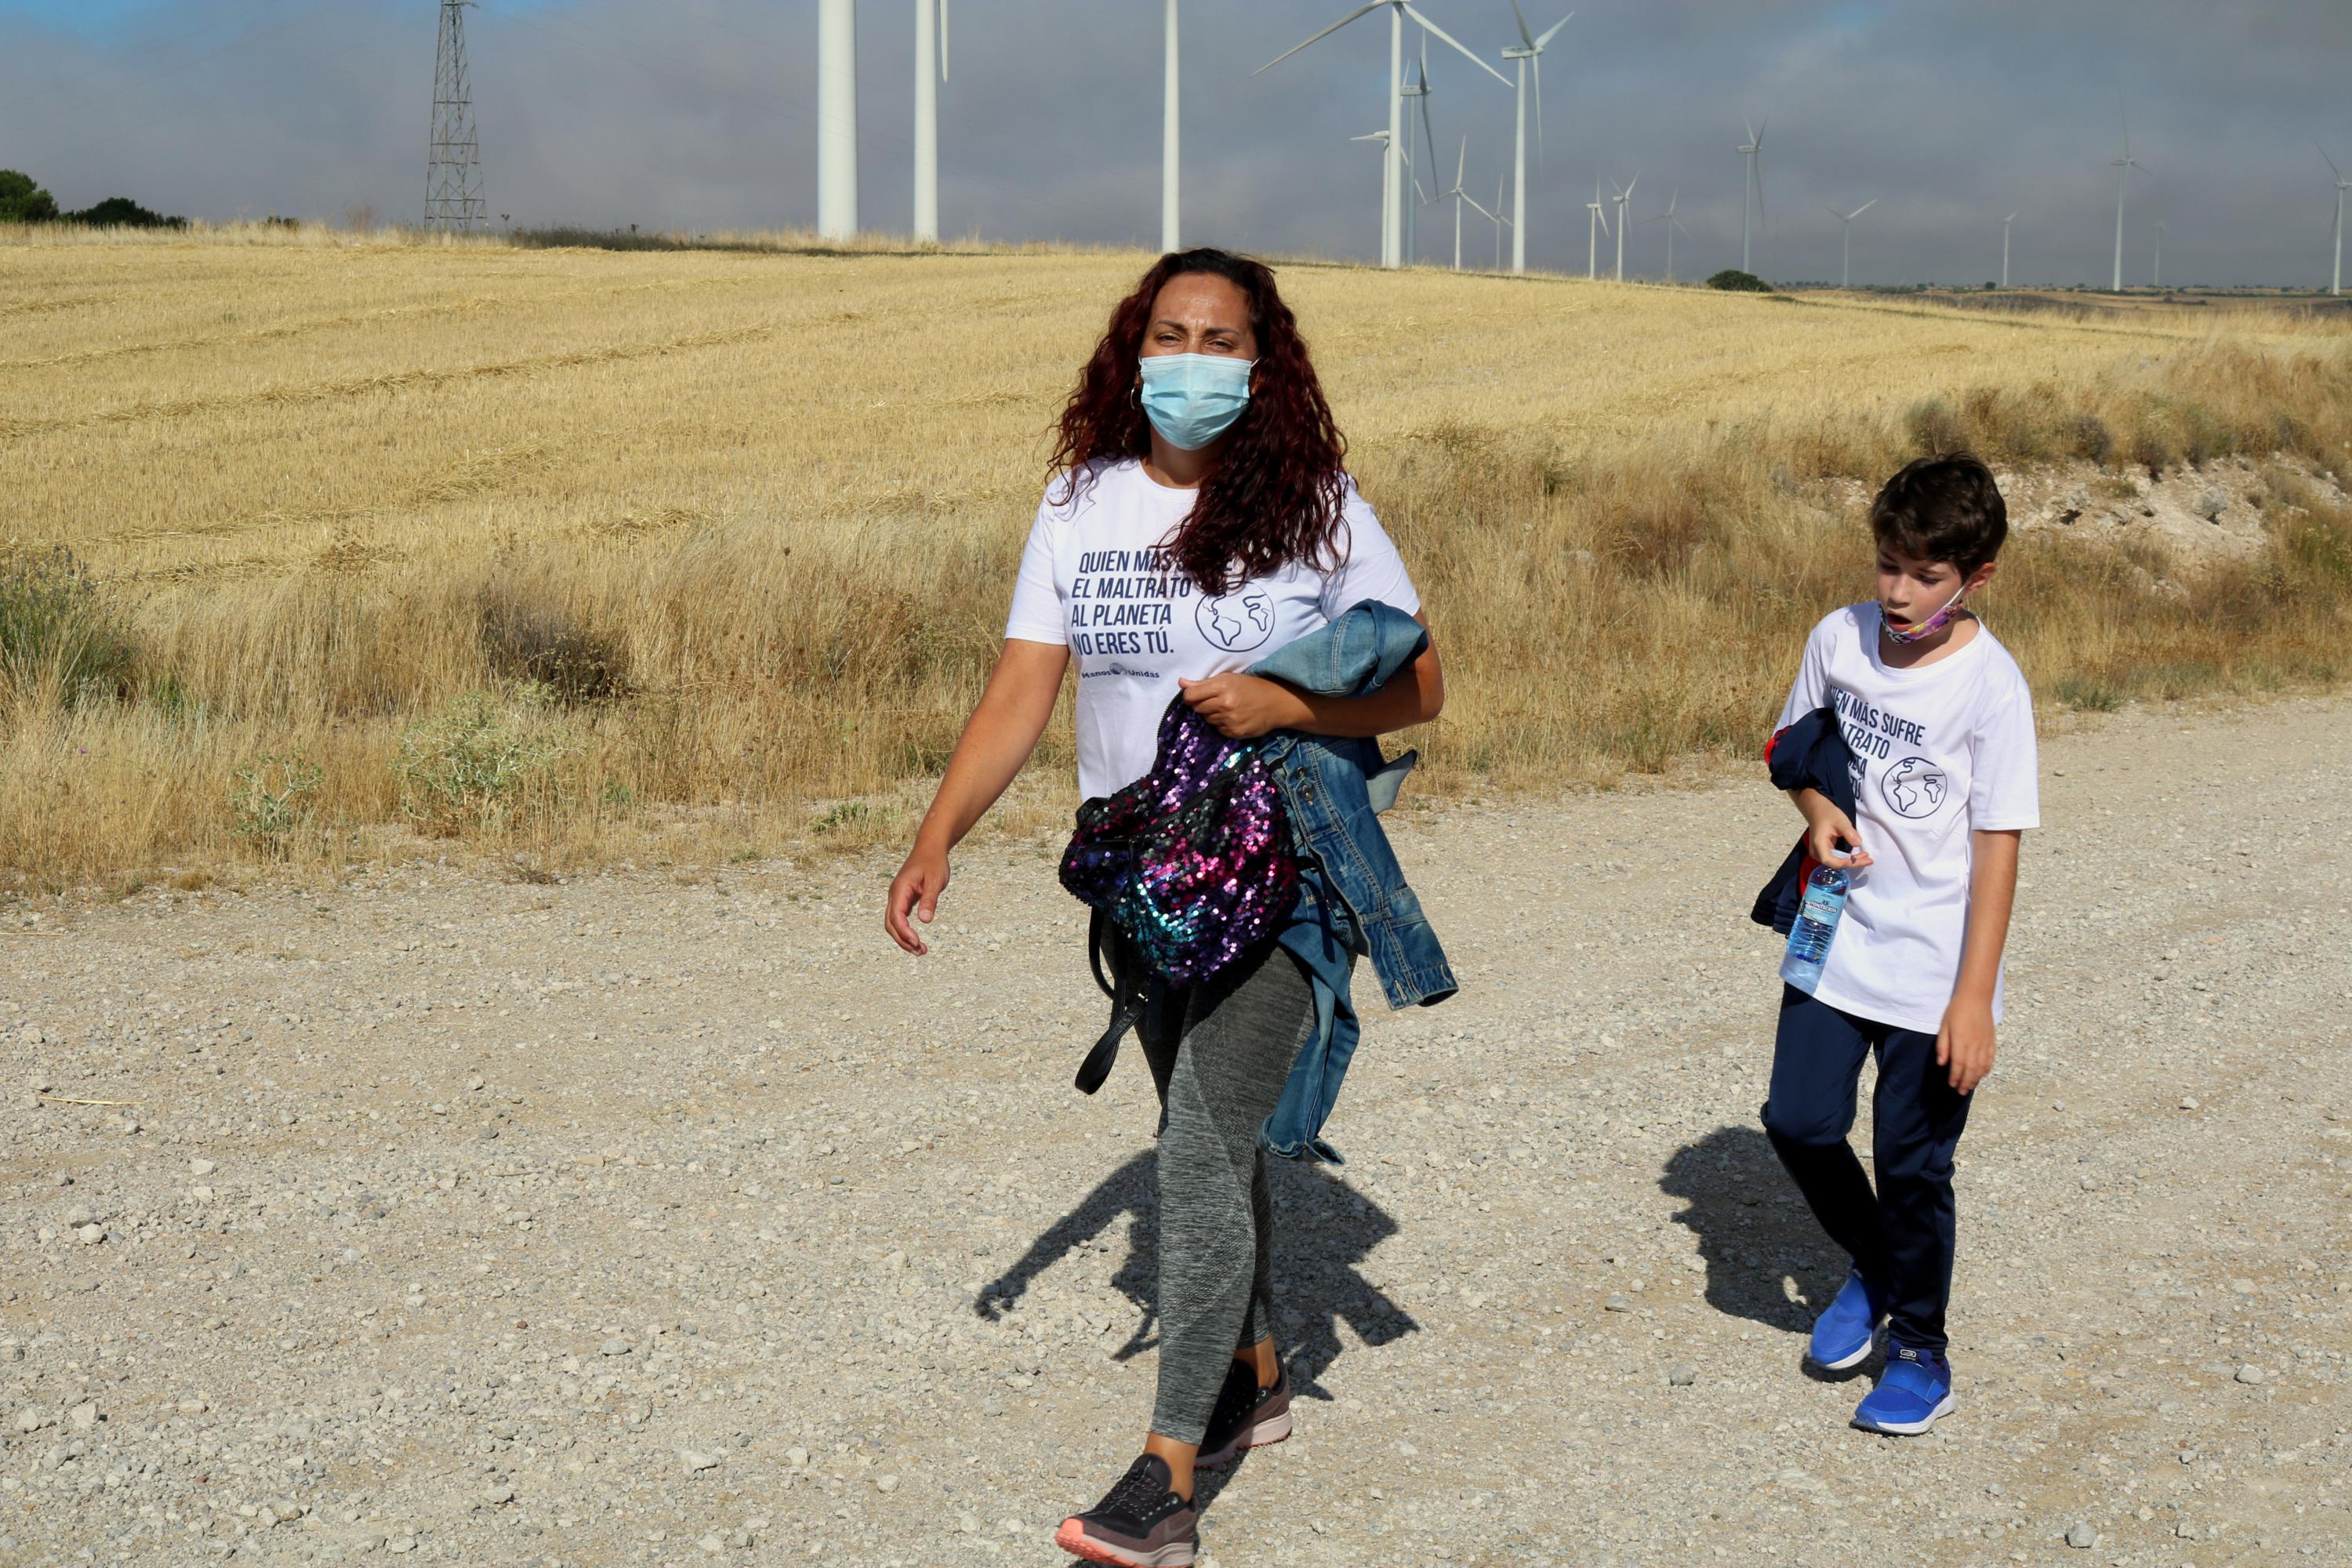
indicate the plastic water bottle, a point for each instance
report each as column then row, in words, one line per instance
column 1817, row 924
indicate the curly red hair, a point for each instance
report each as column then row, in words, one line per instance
column 1276, row 494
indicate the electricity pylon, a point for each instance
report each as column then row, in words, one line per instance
column 453, row 167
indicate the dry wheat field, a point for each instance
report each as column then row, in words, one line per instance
column 325, row 546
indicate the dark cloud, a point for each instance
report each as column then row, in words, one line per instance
column 700, row 114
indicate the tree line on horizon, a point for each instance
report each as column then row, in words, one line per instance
column 22, row 200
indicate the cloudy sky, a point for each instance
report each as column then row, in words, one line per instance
column 701, row 114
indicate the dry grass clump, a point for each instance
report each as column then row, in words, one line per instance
column 556, row 549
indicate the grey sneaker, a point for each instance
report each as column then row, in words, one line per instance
column 1140, row 1524
column 1247, row 1416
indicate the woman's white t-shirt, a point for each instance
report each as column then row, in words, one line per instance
column 1095, row 579
column 1939, row 751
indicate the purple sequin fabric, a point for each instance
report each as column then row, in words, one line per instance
column 1193, row 860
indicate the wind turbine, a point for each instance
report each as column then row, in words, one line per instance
column 2004, row 249
column 1593, row 230
column 2335, row 279
column 1392, row 184
column 2123, row 167
column 836, row 119
column 1461, row 162
column 1419, row 92
column 1672, row 222
column 1169, row 119
column 1624, row 196
column 1500, row 222
column 1753, row 151
column 1845, row 274
column 928, row 13
column 1528, row 47
column 2156, row 272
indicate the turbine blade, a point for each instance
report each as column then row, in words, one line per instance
column 1835, row 213
column 943, row 40
column 1759, row 137
column 1428, row 136
column 1864, row 208
column 1461, row 162
column 1629, row 189
column 1556, row 26
column 2330, row 162
column 1364, row 10
column 1751, row 130
column 2013, row 218
column 1521, row 17
column 1446, row 36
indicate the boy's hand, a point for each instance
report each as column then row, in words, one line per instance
column 1965, row 1043
column 1825, row 828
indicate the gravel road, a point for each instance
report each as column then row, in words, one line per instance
column 652, row 1219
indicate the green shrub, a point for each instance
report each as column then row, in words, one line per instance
column 1738, row 282
column 269, row 798
column 56, row 620
column 475, row 764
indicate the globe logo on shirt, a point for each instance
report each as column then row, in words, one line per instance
column 1238, row 621
column 1915, row 787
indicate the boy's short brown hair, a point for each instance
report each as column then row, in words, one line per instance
column 1944, row 508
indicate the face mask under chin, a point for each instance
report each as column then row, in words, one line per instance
column 1919, row 630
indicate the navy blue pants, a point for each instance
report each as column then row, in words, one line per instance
column 1901, row 1236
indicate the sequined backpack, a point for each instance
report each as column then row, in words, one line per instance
column 1192, row 865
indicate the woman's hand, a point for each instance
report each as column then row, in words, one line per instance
column 917, row 889
column 1244, row 707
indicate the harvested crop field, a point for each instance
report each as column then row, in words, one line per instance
column 711, row 547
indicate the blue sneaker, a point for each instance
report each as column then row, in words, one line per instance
column 1915, row 1393
column 1847, row 1328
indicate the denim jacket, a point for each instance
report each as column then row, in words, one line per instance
column 1352, row 896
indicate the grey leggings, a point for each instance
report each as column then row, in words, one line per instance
column 1219, row 1078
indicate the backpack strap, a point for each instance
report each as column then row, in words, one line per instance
column 1126, row 993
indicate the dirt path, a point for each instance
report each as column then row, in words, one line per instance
column 633, row 1221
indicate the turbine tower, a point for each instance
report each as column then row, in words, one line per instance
column 2156, row 271
column 1593, row 229
column 2123, row 167
column 453, row 158
column 836, row 119
column 1624, row 196
column 2335, row 278
column 927, row 114
column 1753, row 151
column 1528, row 47
column 1846, row 271
column 1392, row 184
column 2004, row 249
column 1168, row 120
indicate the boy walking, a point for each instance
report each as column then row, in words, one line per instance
column 1939, row 728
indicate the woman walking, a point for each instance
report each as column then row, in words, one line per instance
column 1199, row 520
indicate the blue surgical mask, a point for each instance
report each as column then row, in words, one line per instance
column 1192, row 399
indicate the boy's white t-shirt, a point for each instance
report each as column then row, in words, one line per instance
column 1094, row 580
column 1939, row 751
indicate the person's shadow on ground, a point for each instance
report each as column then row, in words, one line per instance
column 1753, row 1230
column 1322, row 1231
